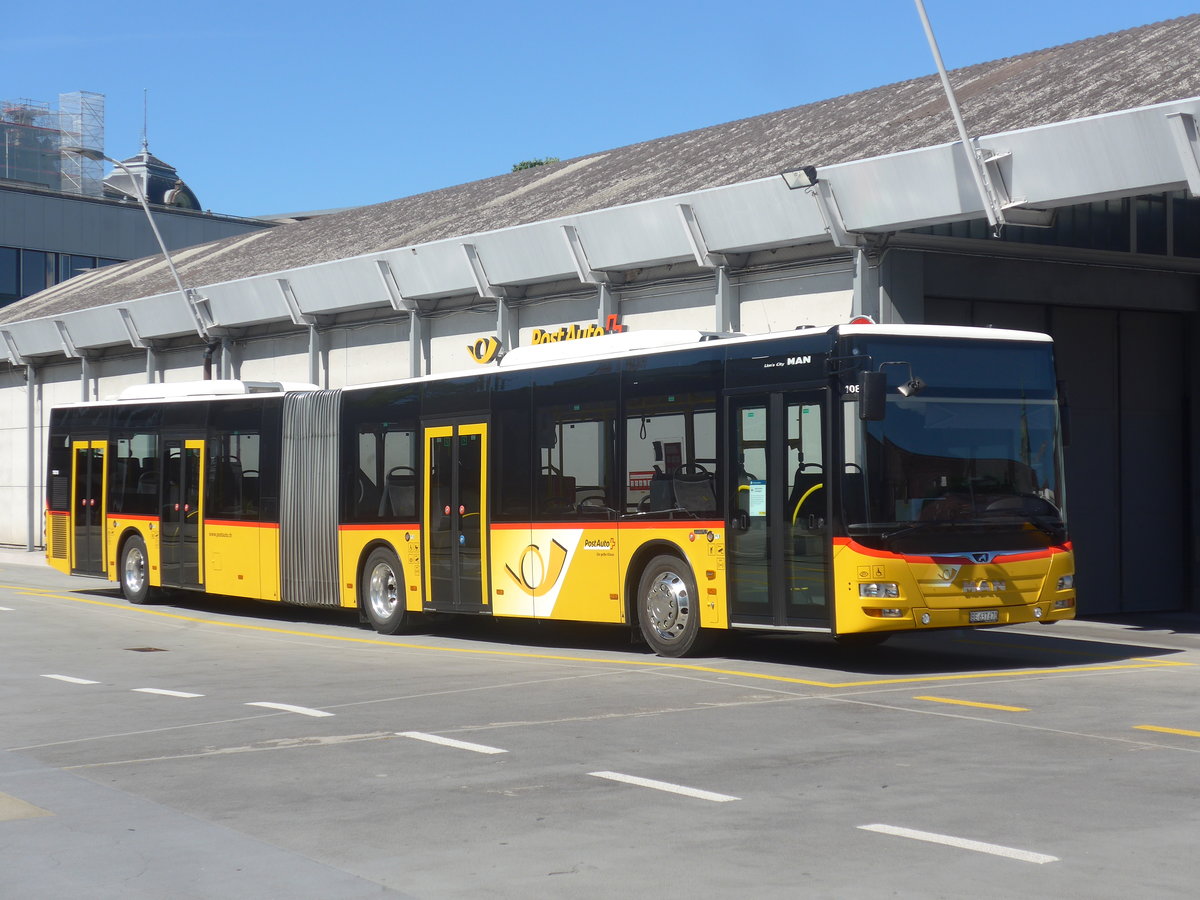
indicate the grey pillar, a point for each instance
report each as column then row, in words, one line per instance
column 729, row 313
column 416, row 345
column 866, row 284
column 31, row 466
column 902, row 287
column 226, row 358
column 606, row 303
column 506, row 324
column 314, row 354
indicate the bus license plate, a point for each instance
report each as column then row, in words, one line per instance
column 983, row 615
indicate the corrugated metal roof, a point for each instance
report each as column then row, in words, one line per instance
column 1127, row 69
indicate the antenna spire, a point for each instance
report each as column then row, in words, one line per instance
column 145, row 119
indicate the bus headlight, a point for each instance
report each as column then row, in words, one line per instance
column 1067, row 582
column 877, row 589
column 1065, row 603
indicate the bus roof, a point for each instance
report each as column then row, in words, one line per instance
column 629, row 343
column 607, row 346
column 212, row 388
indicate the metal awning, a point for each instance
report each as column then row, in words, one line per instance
column 1139, row 151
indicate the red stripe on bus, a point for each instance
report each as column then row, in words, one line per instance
column 235, row 523
column 592, row 524
column 851, row 544
column 381, row 526
column 689, row 525
column 131, row 517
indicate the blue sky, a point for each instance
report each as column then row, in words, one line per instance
column 269, row 107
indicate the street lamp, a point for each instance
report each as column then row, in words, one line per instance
column 187, row 294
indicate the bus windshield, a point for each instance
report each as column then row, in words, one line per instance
column 968, row 461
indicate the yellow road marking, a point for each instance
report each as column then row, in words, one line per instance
column 13, row 808
column 1195, row 734
column 973, row 703
column 639, row 663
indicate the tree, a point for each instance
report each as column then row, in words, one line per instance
column 534, row 163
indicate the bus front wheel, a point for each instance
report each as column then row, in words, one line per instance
column 668, row 608
column 381, row 592
column 134, row 572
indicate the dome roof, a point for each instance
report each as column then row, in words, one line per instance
column 158, row 180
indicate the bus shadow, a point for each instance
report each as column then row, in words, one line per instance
column 907, row 654
column 932, row 653
column 1168, row 622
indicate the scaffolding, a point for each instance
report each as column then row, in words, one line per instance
column 34, row 135
column 81, row 124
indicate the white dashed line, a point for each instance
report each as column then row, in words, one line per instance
column 962, row 843
column 666, row 786
column 287, row 707
column 70, row 679
column 449, row 742
column 6, row 609
column 166, row 693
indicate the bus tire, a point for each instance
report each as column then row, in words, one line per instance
column 381, row 592
column 668, row 608
column 135, row 572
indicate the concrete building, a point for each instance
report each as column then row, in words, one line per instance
column 59, row 215
column 1075, row 212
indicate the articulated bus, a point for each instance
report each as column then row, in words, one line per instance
column 857, row 480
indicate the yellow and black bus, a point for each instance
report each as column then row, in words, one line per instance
column 857, row 480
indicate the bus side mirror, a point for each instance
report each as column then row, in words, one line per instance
column 872, row 396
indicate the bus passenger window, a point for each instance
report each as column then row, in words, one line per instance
column 233, row 475
column 671, row 446
column 386, row 482
column 574, row 437
column 134, row 459
column 671, row 458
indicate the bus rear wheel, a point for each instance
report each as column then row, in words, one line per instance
column 381, row 592
column 135, row 572
column 668, row 608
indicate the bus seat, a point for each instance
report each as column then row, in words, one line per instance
column 662, row 492
column 147, row 483
column 366, row 496
column 556, row 493
column 694, row 489
column 126, row 472
column 249, row 492
column 226, row 486
column 806, row 478
column 399, row 498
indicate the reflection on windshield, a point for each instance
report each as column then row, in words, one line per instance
column 945, row 474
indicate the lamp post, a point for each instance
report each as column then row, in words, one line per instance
column 185, row 293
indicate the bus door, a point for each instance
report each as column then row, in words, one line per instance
column 181, row 538
column 456, row 517
column 88, row 506
column 779, row 549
